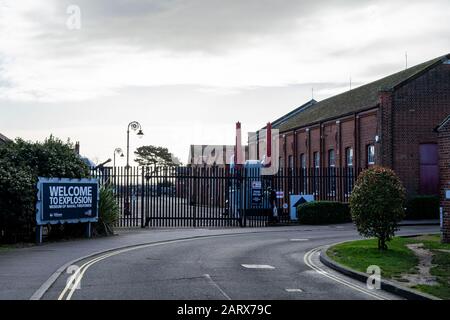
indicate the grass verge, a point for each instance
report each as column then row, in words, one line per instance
column 398, row 260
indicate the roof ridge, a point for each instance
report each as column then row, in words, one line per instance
column 360, row 98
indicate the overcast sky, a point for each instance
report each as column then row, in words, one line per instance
column 187, row 70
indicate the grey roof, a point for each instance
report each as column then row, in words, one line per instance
column 358, row 99
column 289, row 115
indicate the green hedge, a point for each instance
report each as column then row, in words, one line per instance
column 21, row 163
column 422, row 207
column 323, row 212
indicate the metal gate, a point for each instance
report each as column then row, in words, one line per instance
column 216, row 196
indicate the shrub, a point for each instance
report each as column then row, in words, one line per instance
column 376, row 204
column 17, row 205
column 21, row 163
column 108, row 211
column 323, row 212
column 423, row 207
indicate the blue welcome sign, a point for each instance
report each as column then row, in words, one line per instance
column 67, row 201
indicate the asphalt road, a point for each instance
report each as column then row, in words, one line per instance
column 262, row 265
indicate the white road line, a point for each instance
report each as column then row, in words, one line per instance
column 294, row 290
column 210, row 280
column 298, row 240
column 43, row 289
column 78, row 275
column 257, row 266
column 308, row 261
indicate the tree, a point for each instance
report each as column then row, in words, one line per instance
column 377, row 204
column 21, row 163
column 152, row 155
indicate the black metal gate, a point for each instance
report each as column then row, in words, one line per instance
column 216, row 196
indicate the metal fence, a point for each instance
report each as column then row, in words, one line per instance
column 216, row 196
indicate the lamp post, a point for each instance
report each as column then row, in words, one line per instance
column 119, row 152
column 135, row 126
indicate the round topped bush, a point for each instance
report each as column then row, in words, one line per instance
column 377, row 204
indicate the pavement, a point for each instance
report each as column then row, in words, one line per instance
column 423, row 222
column 238, row 263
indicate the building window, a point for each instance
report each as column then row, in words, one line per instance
column 349, row 157
column 316, row 183
column 281, row 162
column 303, row 161
column 291, row 182
column 316, row 160
column 303, row 174
column 370, row 154
column 331, row 183
column 348, row 174
column 331, row 158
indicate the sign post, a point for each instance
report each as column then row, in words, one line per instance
column 62, row 201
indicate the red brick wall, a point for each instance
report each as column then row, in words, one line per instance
column 418, row 108
column 329, row 141
column 315, row 144
column 444, row 175
column 347, row 138
column 302, row 146
column 282, row 154
column 405, row 118
column 337, row 135
column 289, row 147
column 367, row 133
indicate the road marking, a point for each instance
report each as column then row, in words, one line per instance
column 294, row 290
column 298, row 239
column 308, row 261
column 210, row 280
column 43, row 289
column 70, row 287
column 257, row 266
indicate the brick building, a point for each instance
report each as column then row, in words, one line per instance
column 443, row 131
column 389, row 122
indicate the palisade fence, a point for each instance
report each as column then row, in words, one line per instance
column 216, row 196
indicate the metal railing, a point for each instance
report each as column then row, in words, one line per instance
column 216, row 196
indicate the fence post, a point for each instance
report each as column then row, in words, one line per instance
column 142, row 197
column 196, row 197
column 244, row 194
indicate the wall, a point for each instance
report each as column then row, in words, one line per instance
column 418, row 107
column 444, row 160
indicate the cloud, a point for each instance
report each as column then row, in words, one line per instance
column 224, row 46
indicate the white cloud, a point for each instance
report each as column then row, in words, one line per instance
column 43, row 61
column 189, row 69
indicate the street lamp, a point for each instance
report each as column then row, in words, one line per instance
column 135, row 126
column 119, row 152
